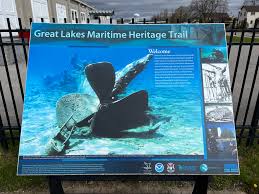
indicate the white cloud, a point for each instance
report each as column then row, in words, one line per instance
column 146, row 8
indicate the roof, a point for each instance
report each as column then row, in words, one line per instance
column 102, row 12
column 85, row 4
column 216, row 16
column 251, row 8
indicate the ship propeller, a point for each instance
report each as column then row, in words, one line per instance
column 113, row 117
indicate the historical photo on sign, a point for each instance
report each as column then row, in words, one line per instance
column 216, row 83
column 218, row 113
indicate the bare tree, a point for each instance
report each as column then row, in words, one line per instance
column 204, row 9
column 163, row 15
column 182, row 13
column 198, row 9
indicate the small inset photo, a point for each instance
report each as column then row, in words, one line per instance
column 218, row 113
column 221, row 139
column 214, row 55
column 216, row 83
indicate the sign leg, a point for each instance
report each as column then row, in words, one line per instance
column 55, row 186
column 201, row 185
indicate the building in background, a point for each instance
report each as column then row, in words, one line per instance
column 250, row 12
column 102, row 15
column 218, row 17
column 72, row 10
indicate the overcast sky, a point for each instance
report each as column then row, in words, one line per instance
column 147, row 8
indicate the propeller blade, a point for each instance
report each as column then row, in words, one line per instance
column 124, row 114
column 101, row 77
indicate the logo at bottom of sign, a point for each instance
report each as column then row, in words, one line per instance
column 170, row 167
column 159, row 167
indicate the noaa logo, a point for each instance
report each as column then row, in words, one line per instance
column 204, row 168
column 170, row 167
column 159, row 167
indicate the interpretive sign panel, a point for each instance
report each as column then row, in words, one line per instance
column 128, row 99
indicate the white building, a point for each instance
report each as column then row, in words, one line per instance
column 72, row 10
column 250, row 13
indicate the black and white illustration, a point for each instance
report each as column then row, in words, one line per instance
column 221, row 113
column 216, row 83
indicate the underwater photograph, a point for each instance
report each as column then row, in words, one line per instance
column 221, row 140
column 104, row 101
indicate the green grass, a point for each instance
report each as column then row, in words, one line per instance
column 237, row 39
column 8, row 179
column 249, row 164
column 249, row 172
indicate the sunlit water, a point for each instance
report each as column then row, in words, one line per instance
column 179, row 133
column 179, row 112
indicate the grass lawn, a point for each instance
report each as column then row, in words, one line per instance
column 236, row 39
column 248, row 180
column 8, row 179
